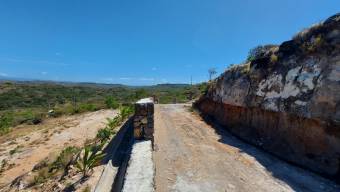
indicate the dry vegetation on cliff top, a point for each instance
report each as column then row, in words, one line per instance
column 320, row 38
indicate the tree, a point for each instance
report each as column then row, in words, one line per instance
column 212, row 72
column 140, row 93
column 258, row 51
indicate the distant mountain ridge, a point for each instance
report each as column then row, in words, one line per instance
column 85, row 84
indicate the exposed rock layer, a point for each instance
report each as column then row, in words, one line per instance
column 287, row 100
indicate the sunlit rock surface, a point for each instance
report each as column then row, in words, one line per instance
column 287, row 101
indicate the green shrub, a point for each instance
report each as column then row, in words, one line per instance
column 89, row 158
column 111, row 103
column 66, row 108
column 126, row 111
column 87, row 189
column 65, row 158
column 84, row 107
column 191, row 109
column 42, row 175
column 114, row 122
column 29, row 116
column 104, row 134
column 203, row 88
column 13, row 151
column 258, row 52
column 4, row 164
column 46, row 169
column 140, row 93
column 6, row 121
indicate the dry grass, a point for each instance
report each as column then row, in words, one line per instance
column 36, row 142
column 23, row 130
column 273, row 58
column 305, row 33
column 244, row 68
column 313, row 44
column 87, row 189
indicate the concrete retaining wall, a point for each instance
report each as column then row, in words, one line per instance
column 116, row 150
column 130, row 166
column 140, row 170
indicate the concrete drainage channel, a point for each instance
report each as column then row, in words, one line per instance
column 130, row 168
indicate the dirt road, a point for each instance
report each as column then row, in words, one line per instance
column 48, row 139
column 192, row 156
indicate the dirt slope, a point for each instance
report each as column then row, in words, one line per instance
column 192, row 156
column 48, row 139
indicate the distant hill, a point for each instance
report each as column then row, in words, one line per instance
column 65, row 83
column 36, row 93
column 85, row 84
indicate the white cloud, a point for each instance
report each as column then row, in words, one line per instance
column 130, row 79
column 125, row 78
column 146, row 79
column 3, row 74
column 107, row 79
column 44, row 62
column 44, row 73
column 154, row 68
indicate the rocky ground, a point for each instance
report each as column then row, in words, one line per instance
column 28, row 145
column 190, row 155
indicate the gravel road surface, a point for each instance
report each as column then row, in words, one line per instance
column 191, row 156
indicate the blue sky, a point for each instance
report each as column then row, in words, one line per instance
column 143, row 42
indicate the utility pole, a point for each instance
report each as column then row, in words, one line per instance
column 212, row 72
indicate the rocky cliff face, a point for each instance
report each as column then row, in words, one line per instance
column 287, row 99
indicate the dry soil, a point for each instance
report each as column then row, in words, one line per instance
column 190, row 156
column 47, row 139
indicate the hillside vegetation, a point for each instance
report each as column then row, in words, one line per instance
column 30, row 102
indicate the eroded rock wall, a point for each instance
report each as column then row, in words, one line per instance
column 287, row 100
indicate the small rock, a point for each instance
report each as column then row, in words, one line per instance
column 231, row 186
